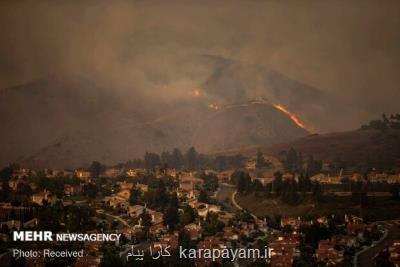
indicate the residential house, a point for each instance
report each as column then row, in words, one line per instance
column 209, row 243
column 142, row 187
column 136, row 210
column 327, row 253
column 132, row 172
column 283, row 251
column 45, row 195
column 194, row 230
column 117, row 201
column 295, row 222
column 126, row 186
column 157, row 229
column 231, row 233
column 23, row 173
column 225, row 176
column 125, row 194
column 14, row 182
column 83, row 175
column 225, row 217
column 70, row 190
column 11, row 224
column 394, row 251
column 326, row 179
column 156, row 217
column 170, row 240
column 247, row 228
column 394, row 179
column 203, row 209
column 346, row 241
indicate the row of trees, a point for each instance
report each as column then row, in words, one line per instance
column 294, row 162
column 261, row 162
column 190, row 160
column 5, row 176
column 391, row 122
column 287, row 190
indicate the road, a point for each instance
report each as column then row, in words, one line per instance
column 366, row 258
column 233, row 198
column 125, row 223
column 224, row 195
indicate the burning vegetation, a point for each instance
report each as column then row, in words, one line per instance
column 213, row 106
column 196, row 93
column 294, row 118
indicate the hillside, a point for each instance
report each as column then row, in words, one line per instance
column 233, row 81
column 361, row 147
column 58, row 122
column 231, row 128
column 245, row 125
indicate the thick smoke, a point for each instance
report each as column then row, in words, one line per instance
column 348, row 48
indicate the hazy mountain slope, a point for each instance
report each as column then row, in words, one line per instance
column 234, row 81
column 354, row 147
column 211, row 131
column 37, row 113
column 244, row 125
column 64, row 122
column 43, row 112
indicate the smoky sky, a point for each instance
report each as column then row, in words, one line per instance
column 348, row 48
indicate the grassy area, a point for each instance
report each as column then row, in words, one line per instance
column 269, row 207
column 378, row 208
column 224, row 196
column 225, row 193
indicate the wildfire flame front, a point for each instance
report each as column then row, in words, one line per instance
column 294, row 118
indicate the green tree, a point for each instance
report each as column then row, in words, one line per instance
column 244, row 183
column 177, row 159
column 151, row 160
column 212, row 225
column 135, row 196
column 171, row 218
column 184, row 239
column 203, row 197
column 313, row 166
column 90, row 190
column 260, row 161
column 395, row 192
column 277, row 183
column 257, row 186
column 291, row 161
column 210, row 181
column 96, row 168
column 161, row 197
column 317, row 192
column 191, row 159
column 166, row 159
column 145, row 220
column 188, row 216
column 5, row 175
column 289, row 194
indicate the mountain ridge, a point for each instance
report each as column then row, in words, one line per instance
column 128, row 123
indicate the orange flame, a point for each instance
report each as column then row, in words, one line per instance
column 196, row 93
column 212, row 106
column 291, row 115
